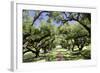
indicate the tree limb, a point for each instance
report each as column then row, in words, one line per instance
column 35, row 18
column 70, row 19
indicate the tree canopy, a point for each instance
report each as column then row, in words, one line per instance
column 43, row 31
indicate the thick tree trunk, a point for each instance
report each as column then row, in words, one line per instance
column 73, row 48
column 80, row 49
column 45, row 51
column 37, row 53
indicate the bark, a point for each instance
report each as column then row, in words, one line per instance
column 35, row 18
column 37, row 53
column 29, row 50
column 70, row 19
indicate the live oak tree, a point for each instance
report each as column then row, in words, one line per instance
column 83, row 19
column 42, row 30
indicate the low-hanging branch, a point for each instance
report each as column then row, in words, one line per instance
column 28, row 49
column 77, row 20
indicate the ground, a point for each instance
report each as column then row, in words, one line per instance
column 59, row 54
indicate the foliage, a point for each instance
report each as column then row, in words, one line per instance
column 69, row 30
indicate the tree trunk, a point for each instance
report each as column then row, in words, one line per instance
column 45, row 51
column 37, row 53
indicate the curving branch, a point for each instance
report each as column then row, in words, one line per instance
column 36, row 17
column 77, row 19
